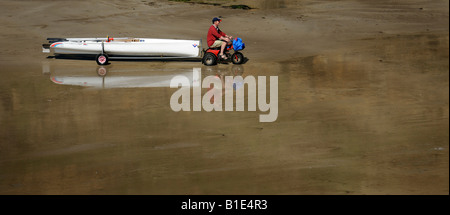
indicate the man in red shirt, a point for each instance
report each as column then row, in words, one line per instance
column 216, row 38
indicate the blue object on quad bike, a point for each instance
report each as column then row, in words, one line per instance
column 238, row 44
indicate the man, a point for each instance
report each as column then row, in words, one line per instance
column 217, row 38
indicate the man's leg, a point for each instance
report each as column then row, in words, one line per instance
column 224, row 45
column 222, row 49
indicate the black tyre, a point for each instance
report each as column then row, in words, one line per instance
column 209, row 59
column 237, row 58
column 102, row 59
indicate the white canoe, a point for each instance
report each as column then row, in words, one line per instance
column 131, row 47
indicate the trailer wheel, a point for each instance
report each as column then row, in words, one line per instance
column 237, row 58
column 102, row 59
column 210, row 59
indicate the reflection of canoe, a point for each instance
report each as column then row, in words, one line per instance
column 125, row 47
column 118, row 78
column 120, row 81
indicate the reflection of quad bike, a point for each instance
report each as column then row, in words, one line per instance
column 211, row 56
column 235, row 70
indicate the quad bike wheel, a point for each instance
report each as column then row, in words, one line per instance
column 237, row 58
column 210, row 59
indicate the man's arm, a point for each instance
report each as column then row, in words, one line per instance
column 225, row 37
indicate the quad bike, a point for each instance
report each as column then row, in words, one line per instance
column 211, row 56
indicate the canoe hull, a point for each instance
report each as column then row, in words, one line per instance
column 129, row 47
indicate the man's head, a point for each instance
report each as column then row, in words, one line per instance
column 216, row 21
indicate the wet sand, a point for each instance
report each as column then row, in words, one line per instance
column 363, row 101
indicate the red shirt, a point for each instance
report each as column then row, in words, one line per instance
column 214, row 34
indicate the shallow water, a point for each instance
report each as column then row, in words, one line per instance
column 348, row 124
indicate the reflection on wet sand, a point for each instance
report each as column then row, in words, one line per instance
column 387, row 112
column 113, row 77
column 110, row 77
column 348, row 124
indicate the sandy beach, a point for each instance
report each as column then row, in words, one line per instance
column 363, row 101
